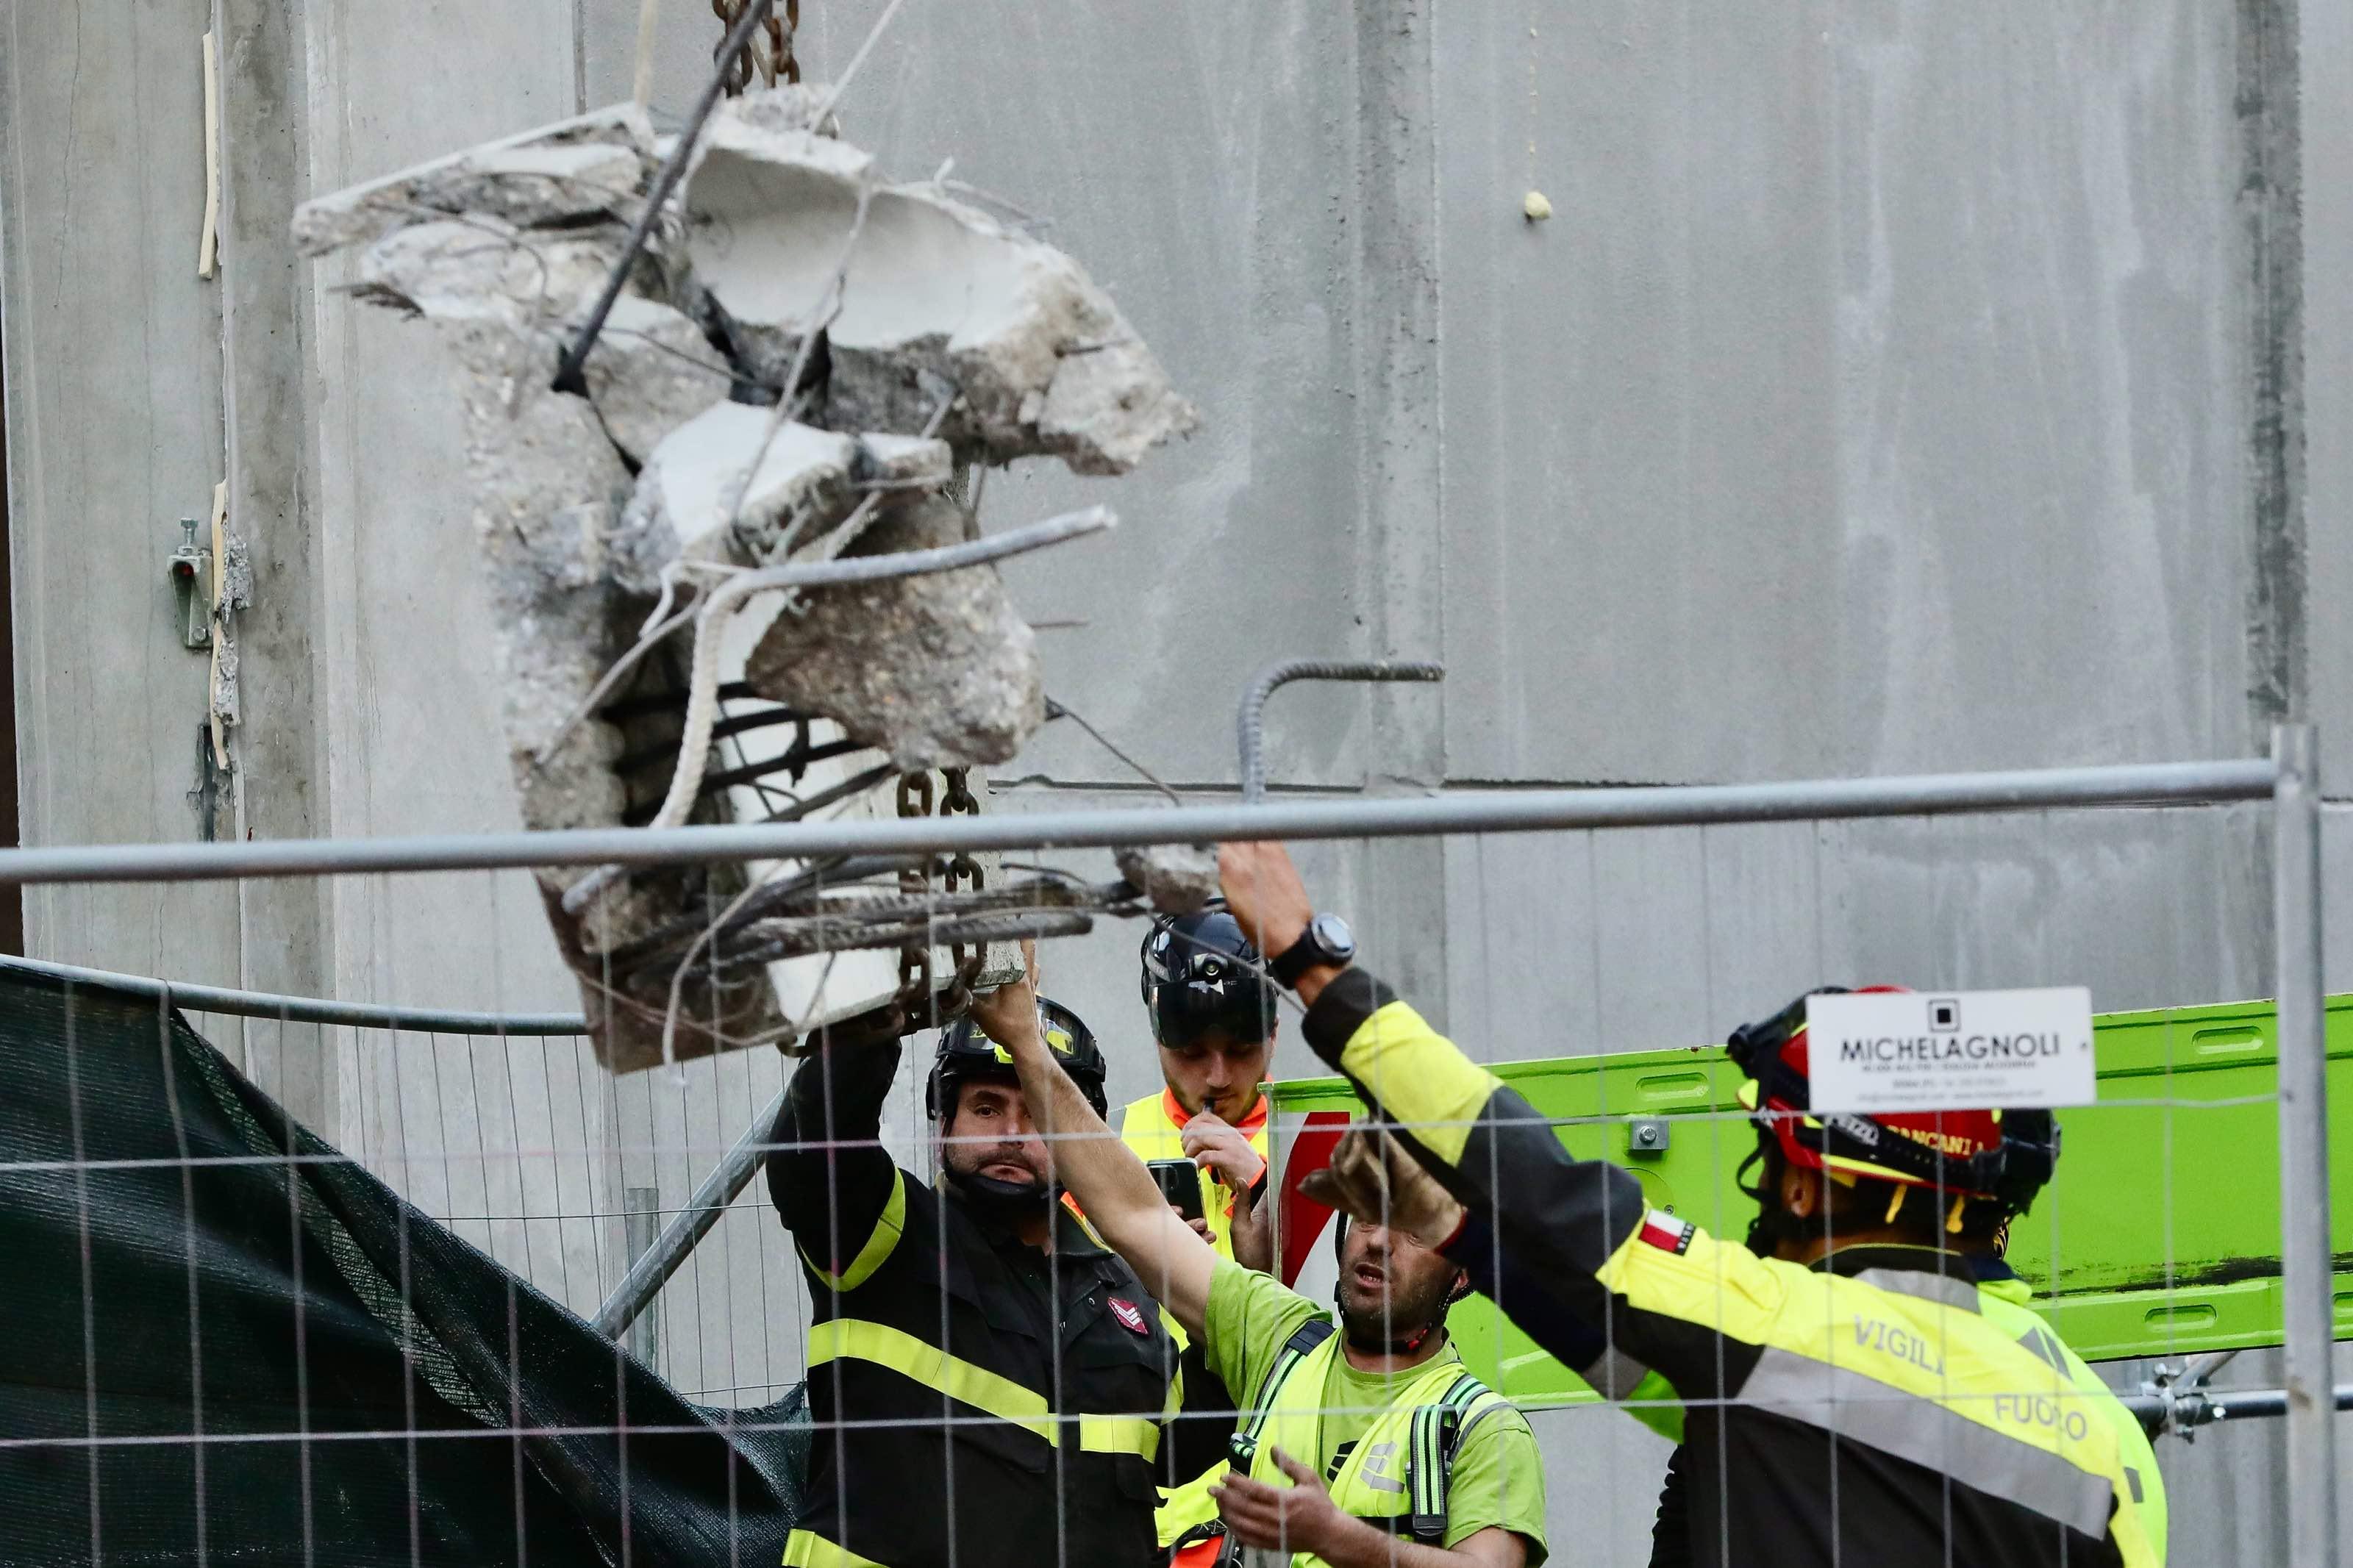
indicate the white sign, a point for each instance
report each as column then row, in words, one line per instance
column 1950, row 1050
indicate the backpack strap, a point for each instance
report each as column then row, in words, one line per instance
column 1296, row 1348
column 1438, row 1429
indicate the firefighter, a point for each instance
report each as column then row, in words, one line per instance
column 2007, row 1159
column 1212, row 1014
column 988, row 1385
column 1364, row 1447
column 1847, row 1399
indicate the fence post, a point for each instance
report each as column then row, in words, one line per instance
column 652, row 1268
column 2305, row 1281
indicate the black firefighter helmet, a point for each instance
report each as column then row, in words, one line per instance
column 967, row 1056
column 1201, row 975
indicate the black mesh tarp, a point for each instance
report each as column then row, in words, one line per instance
column 222, row 1343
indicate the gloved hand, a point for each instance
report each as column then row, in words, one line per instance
column 1372, row 1179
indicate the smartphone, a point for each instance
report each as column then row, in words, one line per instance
column 1180, row 1182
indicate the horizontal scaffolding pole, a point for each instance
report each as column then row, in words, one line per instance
column 305, row 1009
column 1487, row 811
column 2203, row 1407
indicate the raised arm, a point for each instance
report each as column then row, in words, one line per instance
column 834, row 1186
column 1476, row 1135
column 1566, row 1220
column 1121, row 1199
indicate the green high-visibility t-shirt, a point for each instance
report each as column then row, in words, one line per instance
column 1498, row 1475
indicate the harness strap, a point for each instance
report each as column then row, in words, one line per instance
column 1429, row 1466
column 1296, row 1348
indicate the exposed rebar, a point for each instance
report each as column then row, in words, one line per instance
column 1250, row 722
column 686, row 785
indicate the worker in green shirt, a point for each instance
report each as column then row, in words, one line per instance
column 1370, row 1446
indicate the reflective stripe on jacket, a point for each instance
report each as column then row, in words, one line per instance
column 1946, row 1442
column 2005, row 1304
column 2002, row 1300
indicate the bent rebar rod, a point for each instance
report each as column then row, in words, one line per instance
column 1249, row 728
column 686, row 785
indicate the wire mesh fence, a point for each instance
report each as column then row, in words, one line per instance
column 205, row 1285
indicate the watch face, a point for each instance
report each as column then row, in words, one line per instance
column 1331, row 933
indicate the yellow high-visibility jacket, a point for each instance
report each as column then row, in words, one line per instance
column 1154, row 1127
column 1864, row 1411
column 2007, row 1305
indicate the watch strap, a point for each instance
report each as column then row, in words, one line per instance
column 1297, row 959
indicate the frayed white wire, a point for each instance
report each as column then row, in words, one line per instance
column 658, row 626
column 703, row 701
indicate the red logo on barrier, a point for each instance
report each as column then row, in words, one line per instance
column 1130, row 1316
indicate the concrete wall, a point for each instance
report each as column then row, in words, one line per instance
column 1897, row 386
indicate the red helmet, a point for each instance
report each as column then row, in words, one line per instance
column 1958, row 1151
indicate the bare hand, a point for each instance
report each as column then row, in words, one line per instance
column 1215, row 1145
column 1263, row 892
column 1301, row 1517
column 1008, row 1015
column 1199, row 1227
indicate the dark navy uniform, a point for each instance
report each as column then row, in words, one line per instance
column 975, row 1400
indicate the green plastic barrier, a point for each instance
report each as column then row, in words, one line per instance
column 2160, row 1236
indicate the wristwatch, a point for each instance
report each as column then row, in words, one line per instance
column 1326, row 939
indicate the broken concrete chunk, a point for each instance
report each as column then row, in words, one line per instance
column 934, row 294
column 937, row 321
column 226, row 703
column 693, row 498
column 483, row 269
column 236, row 574
column 562, row 173
column 1175, row 878
column 1101, row 400
column 905, row 460
column 789, row 106
column 536, row 185
column 937, row 670
column 651, row 370
column 547, row 487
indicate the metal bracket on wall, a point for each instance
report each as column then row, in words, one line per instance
column 190, row 569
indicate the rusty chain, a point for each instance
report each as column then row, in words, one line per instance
column 777, row 59
column 916, row 794
column 962, row 871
